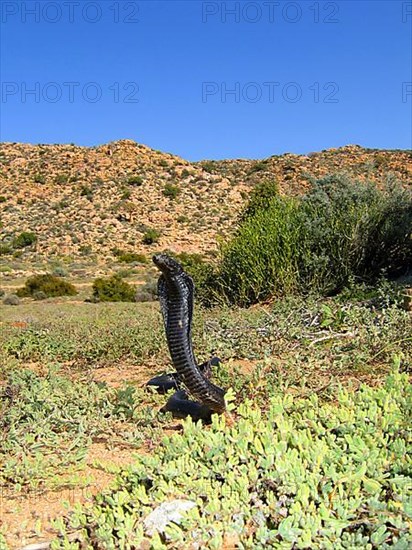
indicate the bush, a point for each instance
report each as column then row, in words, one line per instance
column 5, row 249
column 113, row 289
column 261, row 260
column 48, row 285
column 11, row 300
column 341, row 231
column 86, row 191
column 354, row 230
column 61, row 179
column 171, row 191
column 39, row 295
column 147, row 292
column 136, row 181
column 151, row 236
column 260, row 197
column 129, row 257
column 39, row 178
column 60, row 271
column 27, row 238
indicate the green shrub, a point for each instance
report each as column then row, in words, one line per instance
column 201, row 272
column 39, row 178
column 258, row 166
column 86, row 191
column 136, row 181
column 208, row 166
column 126, row 194
column 171, row 191
column 11, row 300
column 147, row 292
column 3, row 198
column 113, row 289
column 5, row 249
column 129, row 257
column 354, row 230
column 49, row 285
column 261, row 259
column 151, row 236
column 59, row 271
column 61, row 179
column 340, row 231
column 260, row 197
column 26, row 238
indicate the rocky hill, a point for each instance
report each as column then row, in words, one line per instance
column 90, row 201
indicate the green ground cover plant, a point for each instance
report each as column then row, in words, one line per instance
column 300, row 474
column 49, row 422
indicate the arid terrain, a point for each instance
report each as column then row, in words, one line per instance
column 316, row 380
column 83, row 203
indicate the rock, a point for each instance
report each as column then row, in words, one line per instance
column 166, row 513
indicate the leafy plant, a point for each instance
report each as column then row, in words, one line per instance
column 24, row 239
column 113, row 289
column 48, row 284
column 340, row 231
column 136, row 181
column 129, row 257
column 151, row 236
column 48, row 422
column 171, row 191
column 301, row 473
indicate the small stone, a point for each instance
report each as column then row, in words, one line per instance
column 166, row 513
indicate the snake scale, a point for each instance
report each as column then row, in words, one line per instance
column 176, row 295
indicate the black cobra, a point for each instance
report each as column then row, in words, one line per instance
column 176, row 291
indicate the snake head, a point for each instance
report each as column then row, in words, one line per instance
column 167, row 265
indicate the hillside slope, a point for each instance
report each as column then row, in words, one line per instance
column 83, row 201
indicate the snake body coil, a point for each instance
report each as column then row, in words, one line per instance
column 176, row 290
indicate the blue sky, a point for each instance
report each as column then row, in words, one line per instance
column 208, row 79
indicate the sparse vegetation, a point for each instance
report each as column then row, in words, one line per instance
column 299, row 347
column 171, row 191
column 151, row 236
column 39, row 178
column 86, row 191
column 60, row 417
column 314, row 458
column 300, row 473
column 11, row 300
column 136, row 181
column 61, row 179
column 130, row 257
column 24, row 239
